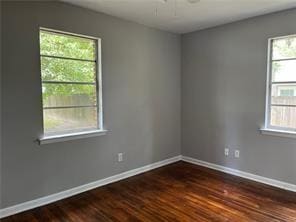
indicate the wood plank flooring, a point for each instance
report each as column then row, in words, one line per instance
column 177, row 192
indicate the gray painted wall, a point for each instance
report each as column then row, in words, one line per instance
column 0, row 107
column 141, row 95
column 223, row 96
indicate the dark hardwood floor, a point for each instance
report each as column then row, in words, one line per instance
column 177, row 192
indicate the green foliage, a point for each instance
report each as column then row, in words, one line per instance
column 66, row 46
column 284, row 48
column 68, row 94
column 65, row 70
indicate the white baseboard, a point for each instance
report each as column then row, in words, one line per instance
column 250, row 176
column 71, row 192
column 80, row 189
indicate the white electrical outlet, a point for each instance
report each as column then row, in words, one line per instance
column 226, row 151
column 236, row 153
column 120, row 157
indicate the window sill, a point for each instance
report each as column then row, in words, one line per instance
column 281, row 133
column 72, row 136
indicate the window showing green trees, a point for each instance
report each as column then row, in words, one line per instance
column 69, row 85
column 282, row 110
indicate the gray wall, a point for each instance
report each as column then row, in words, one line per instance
column 0, row 107
column 223, row 96
column 141, row 93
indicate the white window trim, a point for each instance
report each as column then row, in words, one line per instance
column 268, row 129
column 71, row 136
column 45, row 139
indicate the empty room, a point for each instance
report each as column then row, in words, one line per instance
column 148, row 110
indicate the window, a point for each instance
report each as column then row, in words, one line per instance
column 286, row 92
column 71, row 87
column 281, row 88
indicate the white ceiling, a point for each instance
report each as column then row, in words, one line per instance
column 181, row 16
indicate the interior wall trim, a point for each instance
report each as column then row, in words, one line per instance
column 246, row 175
column 5, row 212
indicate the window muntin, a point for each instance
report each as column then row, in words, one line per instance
column 281, row 105
column 70, row 83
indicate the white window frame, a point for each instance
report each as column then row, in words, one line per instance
column 269, row 129
column 44, row 139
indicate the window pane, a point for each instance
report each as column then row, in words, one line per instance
column 283, row 94
column 283, row 71
column 53, row 69
column 281, row 116
column 68, row 95
column 55, row 44
column 69, row 120
column 284, row 48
